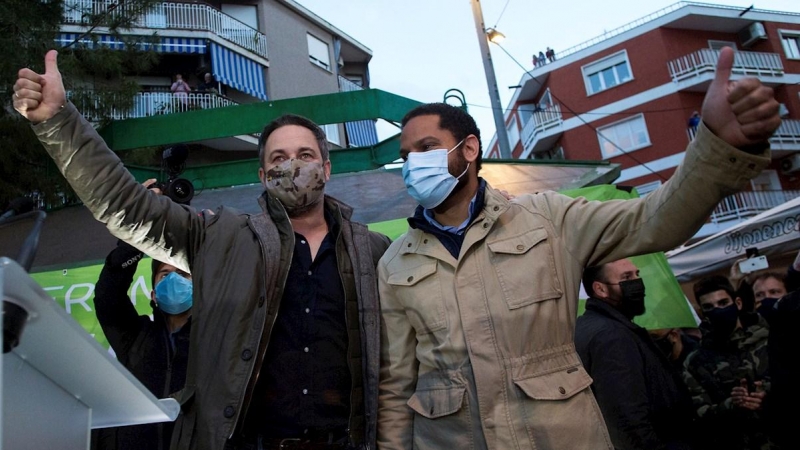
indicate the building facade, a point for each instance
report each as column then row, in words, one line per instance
column 627, row 97
column 255, row 50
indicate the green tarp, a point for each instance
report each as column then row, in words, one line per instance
column 73, row 288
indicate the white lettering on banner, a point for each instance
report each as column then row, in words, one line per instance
column 53, row 288
column 140, row 284
column 737, row 241
column 69, row 301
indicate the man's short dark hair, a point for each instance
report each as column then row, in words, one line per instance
column 711, row 284
column 451, row 118
column 763, row 276
column 590, row 275
column 293, row 119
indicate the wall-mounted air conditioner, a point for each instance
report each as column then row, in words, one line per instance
column 791, row 164
column 753, row 33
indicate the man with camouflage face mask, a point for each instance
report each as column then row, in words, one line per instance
column 284, row 346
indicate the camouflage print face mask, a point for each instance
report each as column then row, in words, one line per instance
column 297, row 184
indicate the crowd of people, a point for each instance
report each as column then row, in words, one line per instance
column 308, row 331
column 543, row 58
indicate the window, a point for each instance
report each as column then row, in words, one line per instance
column 717, row 45
column 629, row 134
column 526, row 112
column 318, row 53
column 607, row 73
column 513, row 132
column 791, row 43
column 644, row 189
column 332, row 133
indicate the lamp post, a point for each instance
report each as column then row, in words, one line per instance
column 484, row 35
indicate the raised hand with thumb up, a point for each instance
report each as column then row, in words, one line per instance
column 39, row 97
column 744, row 112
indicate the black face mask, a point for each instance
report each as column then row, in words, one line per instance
column 723, row 320
column 666, row 345
column 767, row 308
column 632, row 301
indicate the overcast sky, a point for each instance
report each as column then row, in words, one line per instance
column 421, row 48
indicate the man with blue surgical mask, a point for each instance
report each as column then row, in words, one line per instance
column 154, row 349
column 479, row 298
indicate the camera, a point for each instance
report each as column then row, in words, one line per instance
column 173, row 162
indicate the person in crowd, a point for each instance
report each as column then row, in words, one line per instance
column 550, row 54
column 783, row 315
column 694, row 121
column 284, row 349
column 542, row 59
column 180, row 92
column 643, row 400
column 208, row 86
column 479, row 297
column 768, row 285
column 728, row 375
column 676, row 344
column 743, row 290
column 155, row 351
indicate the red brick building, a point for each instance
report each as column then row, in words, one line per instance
column 627, row 97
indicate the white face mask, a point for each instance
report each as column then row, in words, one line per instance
column 427, row 176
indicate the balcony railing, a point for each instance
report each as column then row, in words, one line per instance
column 180, row 16
column 744, row 205
column 744, row 63
column 539, row 122
column 787, row 133
column 146, row 104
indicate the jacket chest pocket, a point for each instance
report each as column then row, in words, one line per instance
column 526, row 268
column 421, row 292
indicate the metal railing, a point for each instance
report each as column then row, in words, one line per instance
column 787, row 133
column 146, row 104
column 653, row 16
column 180, row 16
column 744, row 205
column 744, row 63
column 540, row 121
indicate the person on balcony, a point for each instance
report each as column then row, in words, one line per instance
column 208, row 86
column 180, row 91
column 694, row 122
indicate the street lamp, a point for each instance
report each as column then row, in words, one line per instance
column 484, row 36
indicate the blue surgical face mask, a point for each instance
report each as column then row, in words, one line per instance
column 427, row 176
column 174, row 294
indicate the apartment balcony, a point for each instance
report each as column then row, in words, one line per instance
column 541, row 130
column 190, row 17
column 785, row 140
column 742, row 206
column 704, row 62
column 148, row 104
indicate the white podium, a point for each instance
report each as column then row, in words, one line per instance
column 59, row 382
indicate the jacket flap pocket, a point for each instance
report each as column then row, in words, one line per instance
column 410, row 277
column 559, row 385
column 518, row 245
column 437, row 402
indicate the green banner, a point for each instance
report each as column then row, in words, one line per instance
column 73, row 288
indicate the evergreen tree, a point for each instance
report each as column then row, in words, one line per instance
column 98, row 79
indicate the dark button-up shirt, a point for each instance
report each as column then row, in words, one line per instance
column 304, row 387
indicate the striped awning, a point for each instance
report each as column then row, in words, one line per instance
column 167, row 44
column 361, row 133
column 238, row 71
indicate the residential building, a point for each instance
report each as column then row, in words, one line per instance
column 255, row 50
column 627, row 96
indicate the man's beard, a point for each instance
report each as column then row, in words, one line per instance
column 460, row 167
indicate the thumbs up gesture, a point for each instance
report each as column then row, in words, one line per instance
column 40, row 97
column 742, row 112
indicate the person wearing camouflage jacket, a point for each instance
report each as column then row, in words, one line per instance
column 728, row 375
